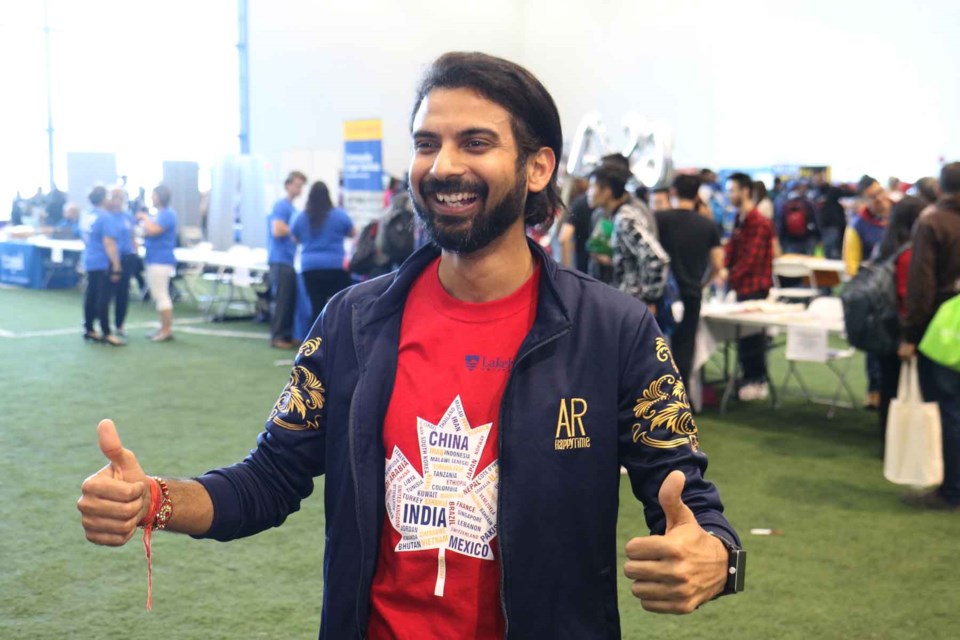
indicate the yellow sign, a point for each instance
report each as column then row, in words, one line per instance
column 354, row 130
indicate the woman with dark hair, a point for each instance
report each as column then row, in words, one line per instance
column 160, row 238
column 321, row 230
column 762, row 198
column 895, row 245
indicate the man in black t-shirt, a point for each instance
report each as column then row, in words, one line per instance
column 581, row 217
column 696, row 257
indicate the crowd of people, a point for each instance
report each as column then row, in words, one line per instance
column 685, row 244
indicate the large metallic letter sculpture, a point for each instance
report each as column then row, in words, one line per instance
column 648, row 145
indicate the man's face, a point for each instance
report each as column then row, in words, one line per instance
column 598, row 195
column 661, row 201
column 115, row 201
column 465, row 180
column 294, row 188
column 734, row 193
column 877, row 200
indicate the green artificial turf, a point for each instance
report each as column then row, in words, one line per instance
column 852, row 563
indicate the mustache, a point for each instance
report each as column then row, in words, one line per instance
column 432, row 186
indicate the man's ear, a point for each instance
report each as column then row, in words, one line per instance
column 540, row 168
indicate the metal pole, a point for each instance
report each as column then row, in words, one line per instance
column 244, row 55
column 46, row 45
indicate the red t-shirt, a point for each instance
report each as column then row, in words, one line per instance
column 438, row 572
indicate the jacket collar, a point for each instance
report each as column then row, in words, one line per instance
column 552, row 313
column 949, row 203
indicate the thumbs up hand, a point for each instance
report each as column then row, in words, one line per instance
column 682, row 569
column 116, row 498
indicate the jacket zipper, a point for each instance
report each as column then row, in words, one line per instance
column 351, row 438
column 500, row 530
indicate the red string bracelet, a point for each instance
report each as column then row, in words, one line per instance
column 157, row 517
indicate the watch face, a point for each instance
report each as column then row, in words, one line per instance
column 737, row 571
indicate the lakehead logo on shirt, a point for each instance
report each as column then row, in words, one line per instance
column 489, row 365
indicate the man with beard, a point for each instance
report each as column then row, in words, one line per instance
column 749, row 259
column 470, row 413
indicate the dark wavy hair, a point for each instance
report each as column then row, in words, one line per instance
column 900, row 227
column 687, row 186
column 950, row 179
column 97, row 195
column 318, row 205
column 609, row 174
column 535, row 121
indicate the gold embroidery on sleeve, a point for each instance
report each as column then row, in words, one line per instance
column 310, row 347
column 664, row 406
column 303, row 394
column 664, row 354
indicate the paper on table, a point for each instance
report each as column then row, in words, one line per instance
column 806, row 343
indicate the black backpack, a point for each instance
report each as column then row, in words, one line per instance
column 366, row 260
column 870, row 310
column 396, row 240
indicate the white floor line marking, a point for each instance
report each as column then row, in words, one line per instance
column 223, row 334
column 48, row 333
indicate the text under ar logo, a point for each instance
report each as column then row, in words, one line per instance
column 570, row 431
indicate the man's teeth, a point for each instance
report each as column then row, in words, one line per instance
column 454, row 198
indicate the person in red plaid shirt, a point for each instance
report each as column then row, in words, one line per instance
column 750, row 263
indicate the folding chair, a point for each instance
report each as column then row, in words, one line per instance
column 829, row 311
column 794, row 270
column 237, row 280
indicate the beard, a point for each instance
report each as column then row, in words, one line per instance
column 465, row 235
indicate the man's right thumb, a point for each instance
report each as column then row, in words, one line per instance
column 111, row 446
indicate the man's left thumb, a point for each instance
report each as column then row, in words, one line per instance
column 676, row 512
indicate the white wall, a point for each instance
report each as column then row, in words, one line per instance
column 315, row 64
column 861, row 85
column 849, row 83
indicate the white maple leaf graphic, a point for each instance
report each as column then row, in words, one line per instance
column 451, row 506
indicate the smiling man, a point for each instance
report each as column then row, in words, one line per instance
column 470, row 413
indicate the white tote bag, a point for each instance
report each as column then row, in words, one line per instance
column 914, row 451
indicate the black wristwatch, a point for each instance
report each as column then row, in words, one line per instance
column 736, row 566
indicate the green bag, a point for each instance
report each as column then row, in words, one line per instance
column 941, row 342
column 600, row 240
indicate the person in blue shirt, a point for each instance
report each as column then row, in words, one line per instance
column 129, row 260
column 160, row 238
column 69, row 226
column 101, row 262
column 321, row 230
column 281, row 250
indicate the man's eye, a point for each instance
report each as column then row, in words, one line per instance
column 424, row 145
column 477, row 144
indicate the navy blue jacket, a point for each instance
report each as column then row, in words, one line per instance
column 593, row 356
